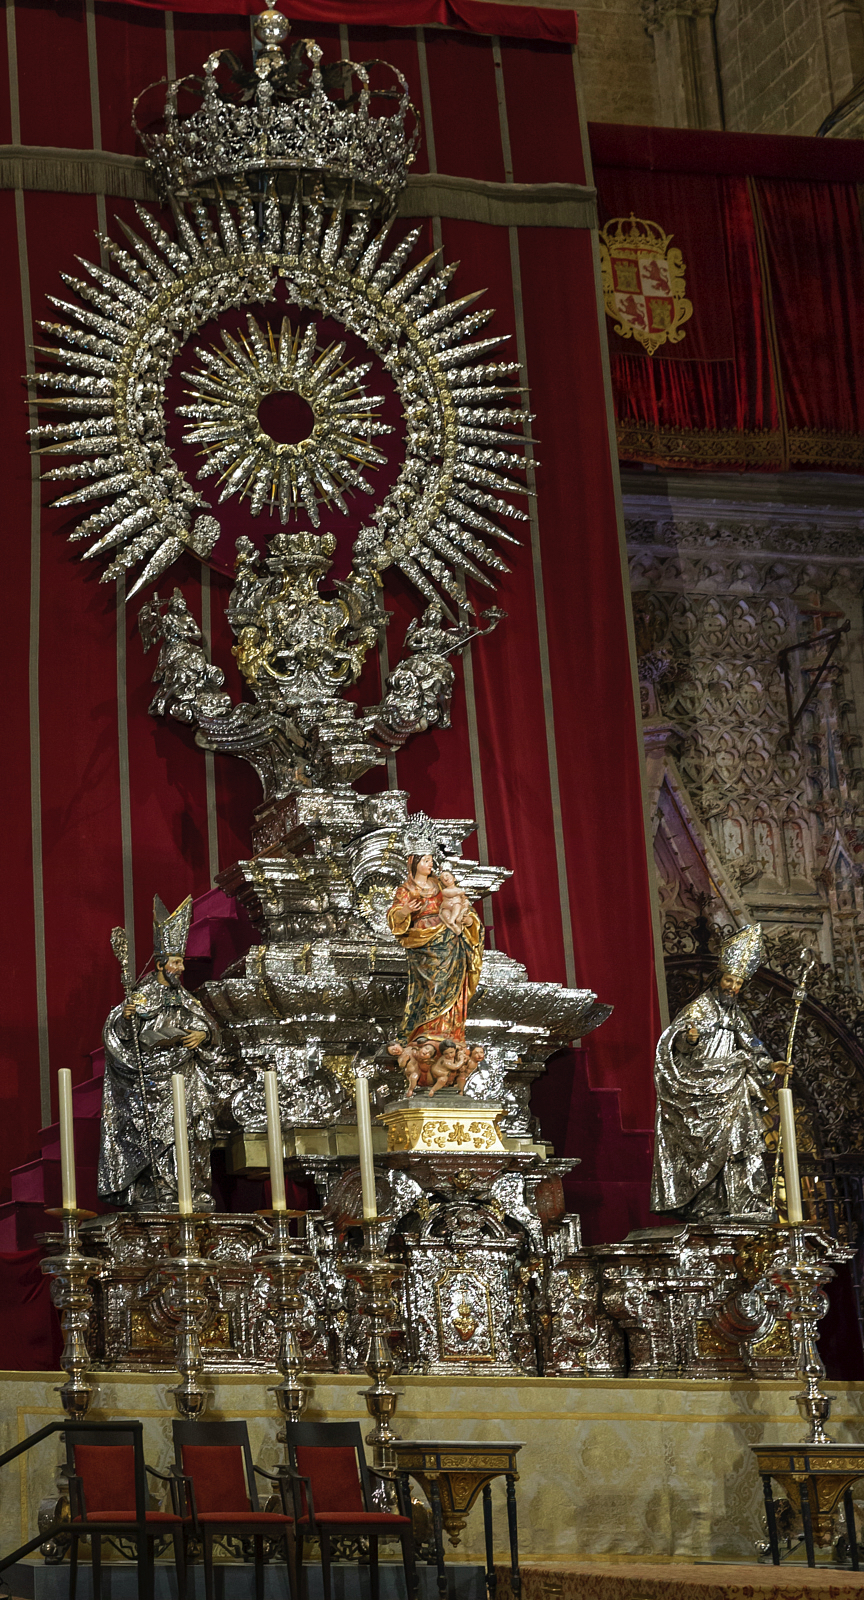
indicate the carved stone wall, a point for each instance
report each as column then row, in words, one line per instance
column 750, row 822
column 755, row 66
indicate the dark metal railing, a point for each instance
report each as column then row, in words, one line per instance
column 36, row 1438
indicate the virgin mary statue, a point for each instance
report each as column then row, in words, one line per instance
column 444, row 957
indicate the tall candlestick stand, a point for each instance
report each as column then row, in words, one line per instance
column 799, row 1272
column 71, row 1294
column 376, row 1276
column 187, row 1274
column 285, row 1262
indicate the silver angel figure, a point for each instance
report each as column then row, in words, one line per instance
column 710, row 1072
column 183, row 673
column 159, row 1030
column 419, row 690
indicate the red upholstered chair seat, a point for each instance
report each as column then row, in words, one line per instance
column 124, row 1516
column 378, row 1518
column 218, row 1478
column 333, row 1498
column 215, row 1517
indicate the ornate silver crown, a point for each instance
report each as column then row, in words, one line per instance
column 288, row 117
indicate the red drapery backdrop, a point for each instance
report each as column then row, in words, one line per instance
column 770, row 372
column 553, row 696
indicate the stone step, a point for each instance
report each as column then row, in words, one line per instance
column 235, row 1580
column 20, row 1222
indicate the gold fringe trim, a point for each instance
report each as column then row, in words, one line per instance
column 502, row 205
column 827, row 449
column 682, row 447
column 729, row 447
column 59, row 171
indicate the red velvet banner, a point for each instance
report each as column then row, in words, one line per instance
column 768, row 372
column 552, row 689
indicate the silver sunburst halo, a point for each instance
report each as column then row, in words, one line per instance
column 442, row 517
column 228, row 389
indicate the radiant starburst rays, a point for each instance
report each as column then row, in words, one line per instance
column 229, row 388
column 461, row 461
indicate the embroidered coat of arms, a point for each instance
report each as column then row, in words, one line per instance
column 643, row 282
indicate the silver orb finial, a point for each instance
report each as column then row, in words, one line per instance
column 271, row 28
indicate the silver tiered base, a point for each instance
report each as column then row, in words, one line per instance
column 486, row 1288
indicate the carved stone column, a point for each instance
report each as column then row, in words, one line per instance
column 688, row 77
column 844, row 43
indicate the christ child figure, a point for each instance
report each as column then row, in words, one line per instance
column 455, row 909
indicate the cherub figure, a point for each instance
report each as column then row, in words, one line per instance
column 414, row 1060
column 473, row 1059
column 455, row 908
column 444, row 1069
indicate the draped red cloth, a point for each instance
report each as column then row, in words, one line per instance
column 477, row 16
column 815, row 251
column 719, row 376
column 769, row 373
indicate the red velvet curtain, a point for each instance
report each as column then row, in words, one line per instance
column 552, row 687
column 815, row 262
column 769, row 373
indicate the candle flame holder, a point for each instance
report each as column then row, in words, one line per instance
column 285, row 1262
column 72, row 1271
column 187, row 1273
column 376, row 1276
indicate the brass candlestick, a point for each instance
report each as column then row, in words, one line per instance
column 285, row 1262
column 71, row 1294
column 187, row 1274
column 376, row 1276
column 799, row 1272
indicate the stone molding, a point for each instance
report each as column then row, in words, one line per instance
column 761, row 536
column 658, row 14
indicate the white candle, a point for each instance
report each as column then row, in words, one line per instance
column 790, row 1156
column 67, row 1141
column 364, row 1136
column 274, row 1141
column 181, row 1145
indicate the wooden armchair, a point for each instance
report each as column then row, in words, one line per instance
column 333, row 1499
column 213, row 1463
column 108, row 1496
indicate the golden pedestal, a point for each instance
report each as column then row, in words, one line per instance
column 456, row 1471
column 444, row 1124
column 814, row 1478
